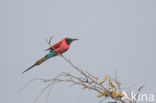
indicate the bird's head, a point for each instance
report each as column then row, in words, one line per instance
column 70, row 40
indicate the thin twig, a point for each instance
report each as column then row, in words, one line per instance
column 41, row 79
column 49, row 91
column 85, row 79
column 82, row 91
column 43, row 90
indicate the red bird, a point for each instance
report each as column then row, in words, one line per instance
column 56, row 49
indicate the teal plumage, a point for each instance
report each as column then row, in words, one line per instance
column 51, row 54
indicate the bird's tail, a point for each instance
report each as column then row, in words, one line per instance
column 29, row 68
column 37, row 63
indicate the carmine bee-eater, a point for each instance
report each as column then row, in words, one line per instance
column 58, row 48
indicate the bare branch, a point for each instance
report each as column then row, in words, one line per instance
column 86, row 81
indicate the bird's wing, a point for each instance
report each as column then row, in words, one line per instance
column 62, row 48
column 57, row 45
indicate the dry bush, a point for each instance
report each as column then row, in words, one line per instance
column 109, row 87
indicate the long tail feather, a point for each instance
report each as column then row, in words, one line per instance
column 41, row 60
column 29, row 68
column 37, row 63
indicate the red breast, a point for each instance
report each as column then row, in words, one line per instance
column 64, row 46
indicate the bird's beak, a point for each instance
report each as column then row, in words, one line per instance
column 75, row 39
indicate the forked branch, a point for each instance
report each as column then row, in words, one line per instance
column 107, row 88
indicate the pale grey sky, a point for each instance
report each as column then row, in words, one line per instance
column 114, row 35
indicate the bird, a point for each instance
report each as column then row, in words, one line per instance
column 56, row 49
